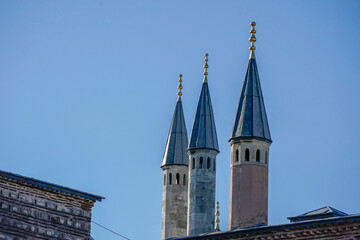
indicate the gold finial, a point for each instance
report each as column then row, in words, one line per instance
column 217, row 228
column 180, row 87
column 206, row 66
column 252, row 39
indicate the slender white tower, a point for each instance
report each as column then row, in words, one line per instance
column 175, row 168
column 203, row 149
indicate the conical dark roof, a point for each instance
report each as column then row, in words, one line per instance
column 203, row 134
column 250, row 119
column 177, row 141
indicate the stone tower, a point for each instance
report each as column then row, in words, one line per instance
column 250, row 141
column 175, row 168
column 203, row 149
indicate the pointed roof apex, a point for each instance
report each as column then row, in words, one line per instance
column 177, row 141
column 250, row 120
column 180, row 87
column 252, row 39
column 203, row 134
column 206, row 66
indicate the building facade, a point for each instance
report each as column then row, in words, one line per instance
column 32, row 209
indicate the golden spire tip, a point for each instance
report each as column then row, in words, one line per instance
column 252, row 39
column 206, row 66
column 180, row 87
column 217, row 228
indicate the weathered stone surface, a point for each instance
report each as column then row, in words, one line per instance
column 201, row 197
column 174, row 208
column 28, row 212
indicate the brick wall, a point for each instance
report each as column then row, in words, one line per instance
column 29, row 212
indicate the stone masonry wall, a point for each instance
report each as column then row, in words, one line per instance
column 28, row 212
column 201, row 201
column 174, row 207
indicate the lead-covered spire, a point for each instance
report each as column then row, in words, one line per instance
column 203, row 134
column 250, row 119
column 177, row 141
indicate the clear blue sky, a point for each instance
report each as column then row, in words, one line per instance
column 88, row 89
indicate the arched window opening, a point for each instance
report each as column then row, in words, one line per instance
column 258, row 155
column 184, row 180
column 266, row 157
column 247, row 155
column 170, row 177
column 237, row 155
column 164, row 179
column 208, row 163
column 193, row 163
column 201, row 162
column 177, row 180
column 214, row 165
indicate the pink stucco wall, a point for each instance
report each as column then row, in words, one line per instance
column 248, row 196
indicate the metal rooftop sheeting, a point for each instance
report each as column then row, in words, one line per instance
column 231, row 234
column 203, row 134
column 50, row 186
column 320, row 213
column 250, row 119
column 177, row 141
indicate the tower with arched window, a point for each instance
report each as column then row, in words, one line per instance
column 250, row 141
column 203, row 149
column 175, row 174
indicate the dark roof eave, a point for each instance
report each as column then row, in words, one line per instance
column 51, row 186
column 250, row 138
column 205, row 148
column 312, row 217
column 165, row 165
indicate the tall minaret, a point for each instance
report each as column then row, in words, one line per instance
column 203, row 149
column 175, row 167
column 250, row 141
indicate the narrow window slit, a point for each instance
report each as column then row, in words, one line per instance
column 247, row 155
column 177, row 180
